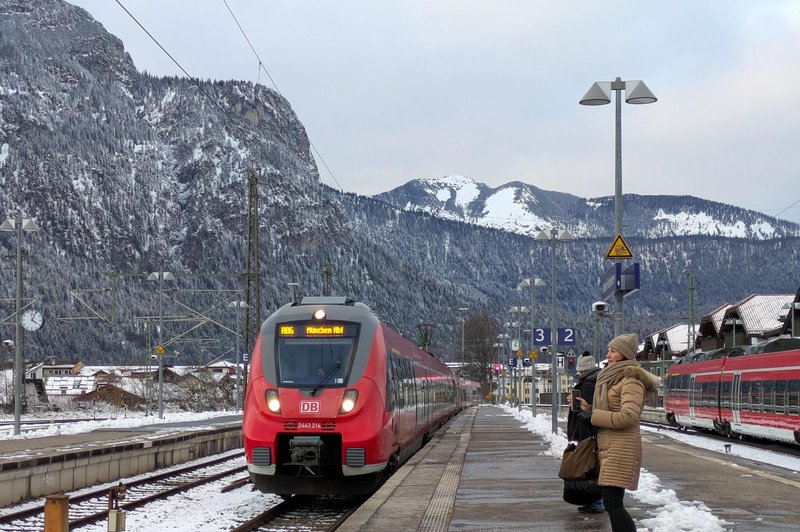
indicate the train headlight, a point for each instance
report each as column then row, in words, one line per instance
column 319, row 314
column 273, row 402
column 348, row 401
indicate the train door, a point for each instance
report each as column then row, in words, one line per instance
column 692, row 397
column 736, row 398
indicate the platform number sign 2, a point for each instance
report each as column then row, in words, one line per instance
column 567, row 336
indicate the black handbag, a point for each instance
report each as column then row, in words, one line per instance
column 582, row 492
column 579, row 461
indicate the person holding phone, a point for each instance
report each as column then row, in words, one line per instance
column 579, row 426
column 619, row 397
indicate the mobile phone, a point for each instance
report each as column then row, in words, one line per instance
column 576, row 405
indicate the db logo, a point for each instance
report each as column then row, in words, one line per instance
column 309, row 407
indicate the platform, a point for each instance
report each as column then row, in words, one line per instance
column 37, row 467
column 486, row 471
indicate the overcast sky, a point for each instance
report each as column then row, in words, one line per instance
column 393, row 90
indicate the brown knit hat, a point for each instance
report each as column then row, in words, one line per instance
column 625, row 344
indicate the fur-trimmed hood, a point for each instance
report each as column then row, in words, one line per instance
column 650, row 381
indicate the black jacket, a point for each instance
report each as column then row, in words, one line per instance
column 579, row 424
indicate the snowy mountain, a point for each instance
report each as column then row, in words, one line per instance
column 128, row 174
column 525, row 209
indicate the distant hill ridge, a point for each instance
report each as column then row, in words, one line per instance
column 526, row 209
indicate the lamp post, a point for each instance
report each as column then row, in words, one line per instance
column 636, row 92
column 18, row 225
column 554, row 237
column 462, row 310
column 160, row 277
column 238, row 305
column 519, row 377
column 533, row 283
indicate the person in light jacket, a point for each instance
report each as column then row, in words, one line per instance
column 619, row 398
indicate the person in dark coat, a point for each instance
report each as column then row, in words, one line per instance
column 579, row 425
column 619, row 397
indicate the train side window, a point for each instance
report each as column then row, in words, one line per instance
column 780, row 397
column 745, row 395
column 755, row 396
column 793, row 398
column 768, row 398
column 725, row 396
column 391, row 399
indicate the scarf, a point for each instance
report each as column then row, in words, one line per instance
column 608, row 377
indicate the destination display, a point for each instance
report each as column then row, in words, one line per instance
column 314, row 329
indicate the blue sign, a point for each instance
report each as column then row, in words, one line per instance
column 541, row 336
column 526, row 362
column 567, row 336
column 611, row 281
column 615, row 280
column 512, row 362
column 629, row 281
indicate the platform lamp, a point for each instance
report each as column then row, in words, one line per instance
column 160, row 277
column 18, row 224
column 533, row 283
column 554, row 237
column 239, row 305
column 636, row 92
column 462, row 310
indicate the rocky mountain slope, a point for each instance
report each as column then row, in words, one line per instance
column 128, row 174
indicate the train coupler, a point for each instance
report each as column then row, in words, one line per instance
column 305, row 451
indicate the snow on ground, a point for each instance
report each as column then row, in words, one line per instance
column 207, row 508
column 119, row 420
column 671, row 514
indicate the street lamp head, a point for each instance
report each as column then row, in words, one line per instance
column 596, row 95
column 565, row 236
column 636, row 92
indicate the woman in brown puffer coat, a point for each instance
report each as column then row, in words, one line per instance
column 619, row 397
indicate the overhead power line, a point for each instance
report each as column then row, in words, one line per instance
column 275, row 85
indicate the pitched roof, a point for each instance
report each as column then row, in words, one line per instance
column 760, row 313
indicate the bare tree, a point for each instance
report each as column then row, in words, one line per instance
column 480, row 333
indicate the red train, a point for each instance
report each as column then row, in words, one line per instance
column 753, row 391
column 337, row 400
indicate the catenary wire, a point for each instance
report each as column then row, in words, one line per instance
column 192, row 78
column 200, row 87
column 261, row 66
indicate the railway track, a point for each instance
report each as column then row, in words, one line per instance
column 93, row 506
column 307, row 513
column 766, row 445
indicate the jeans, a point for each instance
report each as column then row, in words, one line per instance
column 621, row 520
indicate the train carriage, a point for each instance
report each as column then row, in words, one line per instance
column 753, row 391
column 337, row 399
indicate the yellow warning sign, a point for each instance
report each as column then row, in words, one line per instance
column 619, row 249
column 533, row 354
column 160, row 350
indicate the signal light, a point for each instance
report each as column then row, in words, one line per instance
column 319, row 314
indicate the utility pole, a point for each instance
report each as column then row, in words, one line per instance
column 252, row 291
column 327, row 280
column 691, row 334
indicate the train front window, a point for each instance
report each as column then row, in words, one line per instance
column 310, row 355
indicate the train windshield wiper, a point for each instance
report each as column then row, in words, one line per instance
column 326, row 377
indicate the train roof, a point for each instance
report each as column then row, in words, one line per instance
column 774, row 345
